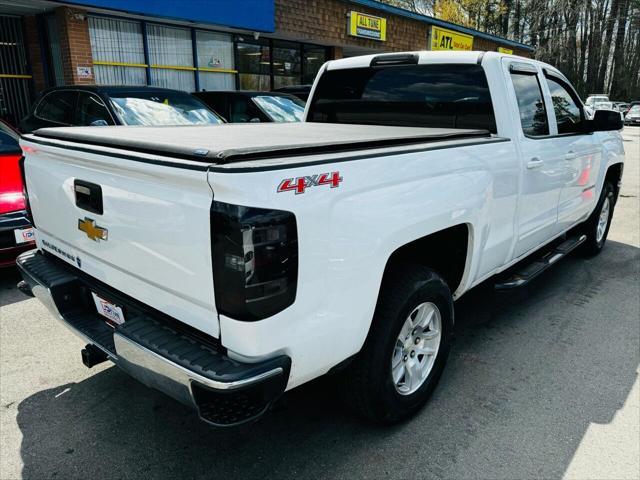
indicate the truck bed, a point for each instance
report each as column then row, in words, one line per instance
column 230, row 143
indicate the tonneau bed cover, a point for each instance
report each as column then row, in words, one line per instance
column 240, row 142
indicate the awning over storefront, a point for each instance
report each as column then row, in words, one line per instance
column 256, row 15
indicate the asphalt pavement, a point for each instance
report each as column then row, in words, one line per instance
column 542, row 383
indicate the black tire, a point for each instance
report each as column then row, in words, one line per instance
column 368, row 385
column 592, row 245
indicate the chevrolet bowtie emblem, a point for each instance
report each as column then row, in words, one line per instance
column 93, row 231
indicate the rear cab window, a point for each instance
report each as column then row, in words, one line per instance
column 435, row 95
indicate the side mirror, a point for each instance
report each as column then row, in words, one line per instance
column 99, row 123
column 605, row 121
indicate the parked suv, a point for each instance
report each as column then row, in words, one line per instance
column 102, row 105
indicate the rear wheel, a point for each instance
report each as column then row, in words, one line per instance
column 407, row 346
column 597, row 226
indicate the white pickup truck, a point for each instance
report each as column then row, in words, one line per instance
column 224, row 265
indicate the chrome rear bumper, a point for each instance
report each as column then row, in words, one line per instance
column 155, row 349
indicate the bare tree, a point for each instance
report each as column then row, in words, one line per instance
column 596, row 43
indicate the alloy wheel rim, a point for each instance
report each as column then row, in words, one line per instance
column 603, row 220
column 416, row 348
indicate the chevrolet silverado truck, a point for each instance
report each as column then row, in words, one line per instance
column 224, row 265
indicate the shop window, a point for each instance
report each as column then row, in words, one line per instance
column 54, row 50
column 286, row 65
column 215, row 52
column 313, row 59
column 254, row 66
column 117, row 42
column 171, row 57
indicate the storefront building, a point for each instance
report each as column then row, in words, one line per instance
column 204, row 45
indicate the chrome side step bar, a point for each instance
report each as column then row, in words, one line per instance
column 524, row 274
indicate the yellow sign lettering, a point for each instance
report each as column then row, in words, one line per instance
column 367, row 26
column 443, row 39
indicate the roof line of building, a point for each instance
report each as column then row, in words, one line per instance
column 401, row 12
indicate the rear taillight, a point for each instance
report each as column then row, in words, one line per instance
column 24, row 191
column 255, row 260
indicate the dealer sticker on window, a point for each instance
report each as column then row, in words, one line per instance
column 23, row 235
column 109, row 310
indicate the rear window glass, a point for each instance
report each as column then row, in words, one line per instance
column 446, row 96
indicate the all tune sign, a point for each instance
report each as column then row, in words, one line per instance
column 443, row 39
column 367, row 26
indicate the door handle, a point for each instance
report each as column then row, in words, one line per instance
column 570, row 156
column 535, row 162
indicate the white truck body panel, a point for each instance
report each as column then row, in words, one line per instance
column 157, row 219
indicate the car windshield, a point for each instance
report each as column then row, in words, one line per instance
column 280, row 109
column 635, row 109
column 161, row 108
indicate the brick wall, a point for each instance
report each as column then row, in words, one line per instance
column 75, row 46
column 33, row 52
column 325, row 22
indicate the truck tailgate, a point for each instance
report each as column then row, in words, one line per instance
column 141, row 226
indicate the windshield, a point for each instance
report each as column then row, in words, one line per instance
column 162, row 108
column 280, row 109
column 635, row 110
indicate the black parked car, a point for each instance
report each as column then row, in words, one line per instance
column 104, row 105
column 245, row 106
column 300, row 91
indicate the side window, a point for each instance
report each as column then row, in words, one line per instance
column 567, row 111
column 57, row 107
column 243, row 110
column 91, row 111
column 533, row 115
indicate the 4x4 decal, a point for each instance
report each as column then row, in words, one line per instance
column 300, row 184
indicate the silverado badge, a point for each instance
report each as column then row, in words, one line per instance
column 93, row 231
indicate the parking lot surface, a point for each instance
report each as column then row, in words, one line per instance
column 542, row 383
